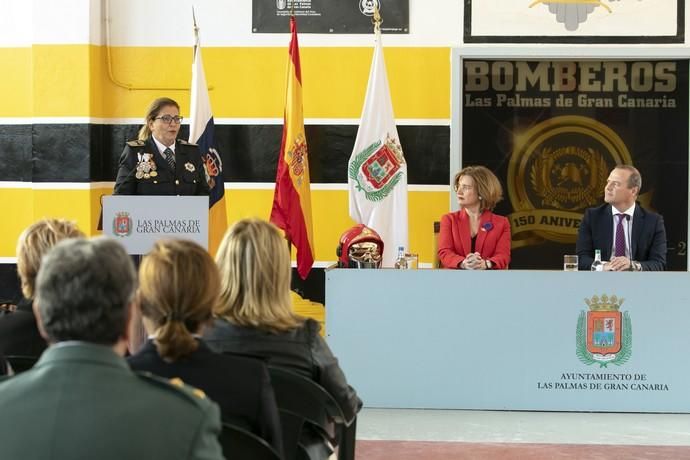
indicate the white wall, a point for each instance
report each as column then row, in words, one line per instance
column 169, row 23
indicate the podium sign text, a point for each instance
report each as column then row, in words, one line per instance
column 139, row 221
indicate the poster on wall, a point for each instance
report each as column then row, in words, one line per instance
column 330, row 17
column 574, row 21
column 553, row 130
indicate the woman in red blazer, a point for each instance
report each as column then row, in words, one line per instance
column 475, row 238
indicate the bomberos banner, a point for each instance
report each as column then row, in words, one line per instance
column 552, row 131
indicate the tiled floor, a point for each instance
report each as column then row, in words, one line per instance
column 449, row 434
column 409, row 450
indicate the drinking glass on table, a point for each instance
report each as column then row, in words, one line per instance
column 570, row 263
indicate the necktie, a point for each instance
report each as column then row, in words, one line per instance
column 169, row 157
column 620, row 237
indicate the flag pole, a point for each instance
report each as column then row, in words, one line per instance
column 196, row 29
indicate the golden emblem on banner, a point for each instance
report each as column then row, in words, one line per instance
column 569, row 177
column 557, row 169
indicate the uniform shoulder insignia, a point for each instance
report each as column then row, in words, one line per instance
column 136, row 143
column 177, row 382
column 176, row 385
column 184, row 142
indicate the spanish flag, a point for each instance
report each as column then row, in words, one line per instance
column 292, row 198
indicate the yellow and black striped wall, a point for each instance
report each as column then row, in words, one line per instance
column 78, row 76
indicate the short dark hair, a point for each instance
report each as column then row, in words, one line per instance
column 635, row 179
column 84, row 288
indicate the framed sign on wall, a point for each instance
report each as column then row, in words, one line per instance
column 574, row 21
column 330, row 17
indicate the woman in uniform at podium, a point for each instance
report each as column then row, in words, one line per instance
column 158, row 163
column 474, row 238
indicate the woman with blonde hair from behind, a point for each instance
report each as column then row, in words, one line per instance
column 178, row 289
column 255, row 316
column 18, row 330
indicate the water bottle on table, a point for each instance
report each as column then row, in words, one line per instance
column 597, row 265
column 401, row 260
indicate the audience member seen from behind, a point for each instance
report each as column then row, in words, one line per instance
column 179, row 287
column 474, row 238
column 255, row 313
column 613, row 226
column 19, row 334
column 81, row 400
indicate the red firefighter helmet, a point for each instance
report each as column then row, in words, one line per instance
column 360, row 247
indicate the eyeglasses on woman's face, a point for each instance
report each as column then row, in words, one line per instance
column 168, row 119
column 463, row 187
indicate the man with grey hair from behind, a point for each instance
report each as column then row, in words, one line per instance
column 81, row 400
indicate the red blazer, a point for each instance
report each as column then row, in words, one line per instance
column 493, row 239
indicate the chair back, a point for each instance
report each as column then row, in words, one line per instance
column 302, row 402
column 20, row 363
column 240, row 444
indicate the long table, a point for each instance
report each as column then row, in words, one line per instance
column 512, row 340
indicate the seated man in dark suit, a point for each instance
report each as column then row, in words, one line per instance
column 628, row 237
column 81, row 401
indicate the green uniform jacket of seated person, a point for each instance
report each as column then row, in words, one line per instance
column 81, row 401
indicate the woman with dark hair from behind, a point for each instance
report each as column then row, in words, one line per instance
column 18, row 330
column 178, row 288
column 255, row 314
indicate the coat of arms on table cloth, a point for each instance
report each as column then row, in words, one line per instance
column 604, row 334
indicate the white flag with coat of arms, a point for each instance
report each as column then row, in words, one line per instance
column 377, row 172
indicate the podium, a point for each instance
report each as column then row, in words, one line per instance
column 139, row 221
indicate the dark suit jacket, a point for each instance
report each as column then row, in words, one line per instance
column 188, row 178
column 82, row 402
column 19, row 333
column 492, row 243
column 648, row 237
column 240, row 385
column 301, row 350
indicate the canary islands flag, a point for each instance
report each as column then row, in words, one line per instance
column 201, row 133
